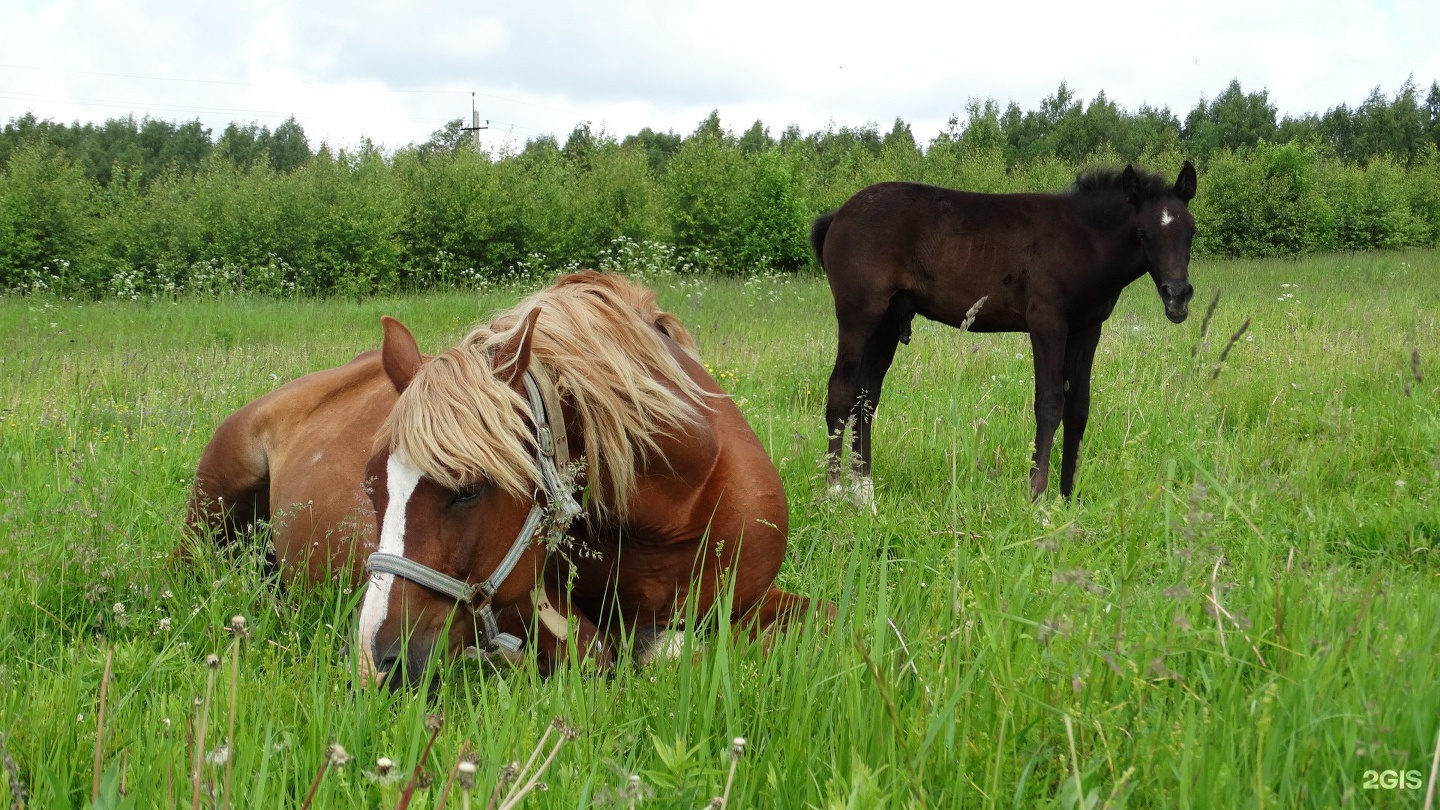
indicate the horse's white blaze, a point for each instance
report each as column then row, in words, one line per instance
column 401, row 479
column 1165, row 217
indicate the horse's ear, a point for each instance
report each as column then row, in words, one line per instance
column 1185, row 183
column 399, row 354
column 1130, row 185
column 513, row 356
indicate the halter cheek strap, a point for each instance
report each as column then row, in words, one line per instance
column 552, row 452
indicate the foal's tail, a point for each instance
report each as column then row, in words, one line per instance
column 817, row 235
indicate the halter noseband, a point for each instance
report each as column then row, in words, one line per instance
column 552, row 452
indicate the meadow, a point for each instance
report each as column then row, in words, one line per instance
column 1241, row 608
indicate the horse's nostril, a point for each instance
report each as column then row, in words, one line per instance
column 1177, row 291
column 387, row 664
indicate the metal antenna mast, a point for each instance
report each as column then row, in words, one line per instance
column 475, row 122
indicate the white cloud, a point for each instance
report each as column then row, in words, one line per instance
column 395, row 71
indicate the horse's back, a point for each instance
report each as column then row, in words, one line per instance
column 941, row 250
column 296, row 457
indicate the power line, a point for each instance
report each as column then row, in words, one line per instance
column 257, row 84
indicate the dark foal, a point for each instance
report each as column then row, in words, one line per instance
column 1052, row 265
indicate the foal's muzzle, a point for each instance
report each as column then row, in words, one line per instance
column 1176, row 296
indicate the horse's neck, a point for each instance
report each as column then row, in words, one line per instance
column 1119, row 260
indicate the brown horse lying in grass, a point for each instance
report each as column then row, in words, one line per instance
column 464, row 464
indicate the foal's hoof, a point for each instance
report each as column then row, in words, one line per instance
column 860, row 493
column 652, row 645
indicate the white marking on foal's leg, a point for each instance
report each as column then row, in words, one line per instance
column 862, row 492
column 1165, row 217
column 400, row 483
column 654, row 644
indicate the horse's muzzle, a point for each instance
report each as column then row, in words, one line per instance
column 1176, row 297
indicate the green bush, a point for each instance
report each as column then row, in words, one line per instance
column 1372, row 206
column 1262, row 203
column 45, row 204
column 361, row 222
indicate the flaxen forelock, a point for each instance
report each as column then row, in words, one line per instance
column 602, row 340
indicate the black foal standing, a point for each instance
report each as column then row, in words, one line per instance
column 1052, row 265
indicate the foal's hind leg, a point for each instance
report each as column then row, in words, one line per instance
column 879, row 354
column 861, row 318
column 841, row 401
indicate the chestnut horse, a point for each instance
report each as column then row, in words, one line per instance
column 473, row 467
column 1052, row 265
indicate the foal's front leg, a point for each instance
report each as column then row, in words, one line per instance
column 1079, row 357
column 1047, row 343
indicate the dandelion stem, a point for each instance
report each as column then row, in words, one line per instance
column 1075, row 763
column 198, row 757
column 1214, row 600
column 1434, row 771
column 315, row 785
column 435, row 725
column 230, row 727
column 450, row 779
column 513, row 800
column 729, row 781
column 100, row 728
column 534, row 755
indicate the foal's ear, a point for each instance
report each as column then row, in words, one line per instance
column 1130, row 185
column 1185, row 183
column 399, row 354
column 513, row 356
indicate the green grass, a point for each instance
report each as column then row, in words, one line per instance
column 977, row 632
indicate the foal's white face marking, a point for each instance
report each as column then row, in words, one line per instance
column 1165, row 217
column 400, row 482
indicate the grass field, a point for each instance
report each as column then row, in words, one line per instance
column 1241, row 608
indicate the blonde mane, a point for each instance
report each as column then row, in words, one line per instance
column 602, row 341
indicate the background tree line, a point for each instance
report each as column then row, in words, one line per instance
column 152, row 207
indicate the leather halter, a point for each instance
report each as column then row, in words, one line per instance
column 552, row 452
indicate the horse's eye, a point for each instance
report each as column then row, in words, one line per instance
column 1143, row 234
column 466, row 496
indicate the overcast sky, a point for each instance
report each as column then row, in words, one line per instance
column 396, row 70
